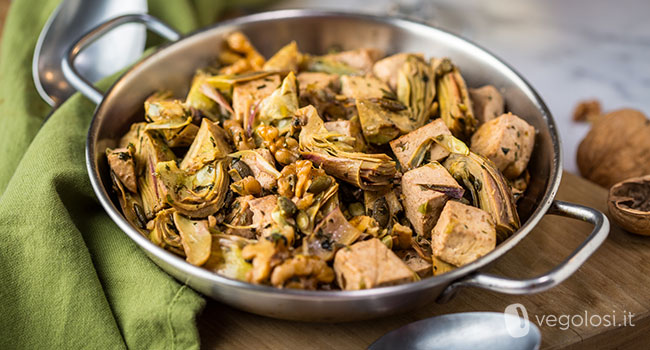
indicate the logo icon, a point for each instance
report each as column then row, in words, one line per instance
column 516, row 319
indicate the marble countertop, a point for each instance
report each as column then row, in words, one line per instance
column 568, row 50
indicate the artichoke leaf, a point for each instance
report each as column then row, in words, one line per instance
column 490, row 191
column 226, row 257
column 366, row 171
column 286, row 59
column 165, row 234
column 281, row 105
column 416, row 89
column 209, row 145
column 448, row 142
column 131, row 205
column 195, row 238
column 455, row 104
column 195, row 195
column 150, row 150
column 381, row 123
column 331, row 234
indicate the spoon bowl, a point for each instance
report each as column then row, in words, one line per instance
column 469, row 330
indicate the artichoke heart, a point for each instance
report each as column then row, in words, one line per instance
column 382, row 120
column 332, row 233
column 367, row 171
column 195, row 195
column 279, row 107
column 455, row 105
column 416, row 89
column 489, row 190
column 226, row 257
column 131, row 204
column 150, row 150
column 195, row 238
column 165, row 234
column 286, row 59
column 170, row 119
column 209, row 145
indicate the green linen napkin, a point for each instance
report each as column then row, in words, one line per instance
column 69, row 278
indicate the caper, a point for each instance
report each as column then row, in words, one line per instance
column 380, row 212
column 302, row 219
column 320, row 184
column 356, row 209
column 287, row 207
column 242, row 168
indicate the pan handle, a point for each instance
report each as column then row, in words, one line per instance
column 67, row 64
column 551, row 278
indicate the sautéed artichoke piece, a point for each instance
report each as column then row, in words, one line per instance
column 416, row 89
column 366, row 171
column 284, row 172
column 453, row 98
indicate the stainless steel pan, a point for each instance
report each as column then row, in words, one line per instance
column 172, row 66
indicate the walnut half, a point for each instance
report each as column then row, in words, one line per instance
column 629, row 204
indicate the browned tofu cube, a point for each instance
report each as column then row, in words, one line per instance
column 349, row 128
column 369, row 264
column 424, row 191
column 462, row 234
column 121, row 162
column 418, row 265
column 318, row 81
column 386, row 69
column 262, row 209
column 487, row 103
column 246, row 95
column 507, row 141
column 406, row 145
column 361, row 59
column 260, row 165
column 359, row 87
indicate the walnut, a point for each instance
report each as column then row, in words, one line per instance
column 616, row 148
column 629, row 204
column 302, row 267
column 265, row 255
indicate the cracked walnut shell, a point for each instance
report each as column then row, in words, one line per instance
column 629, row 204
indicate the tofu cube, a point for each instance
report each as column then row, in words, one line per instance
column 361, row 59
column 422, row 204
column 246, row 95
column 386, row 69
column 318, row 81
column 404, row 146
column 462, row 234
column 487, row 103
column 359, row 87
column 369, row 264
column 507, row 141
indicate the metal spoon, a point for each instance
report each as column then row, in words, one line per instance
column 469, row 330
column 70, row 20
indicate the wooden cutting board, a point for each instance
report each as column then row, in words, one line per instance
column 614, row 281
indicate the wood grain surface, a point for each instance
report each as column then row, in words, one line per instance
column 612, row 282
